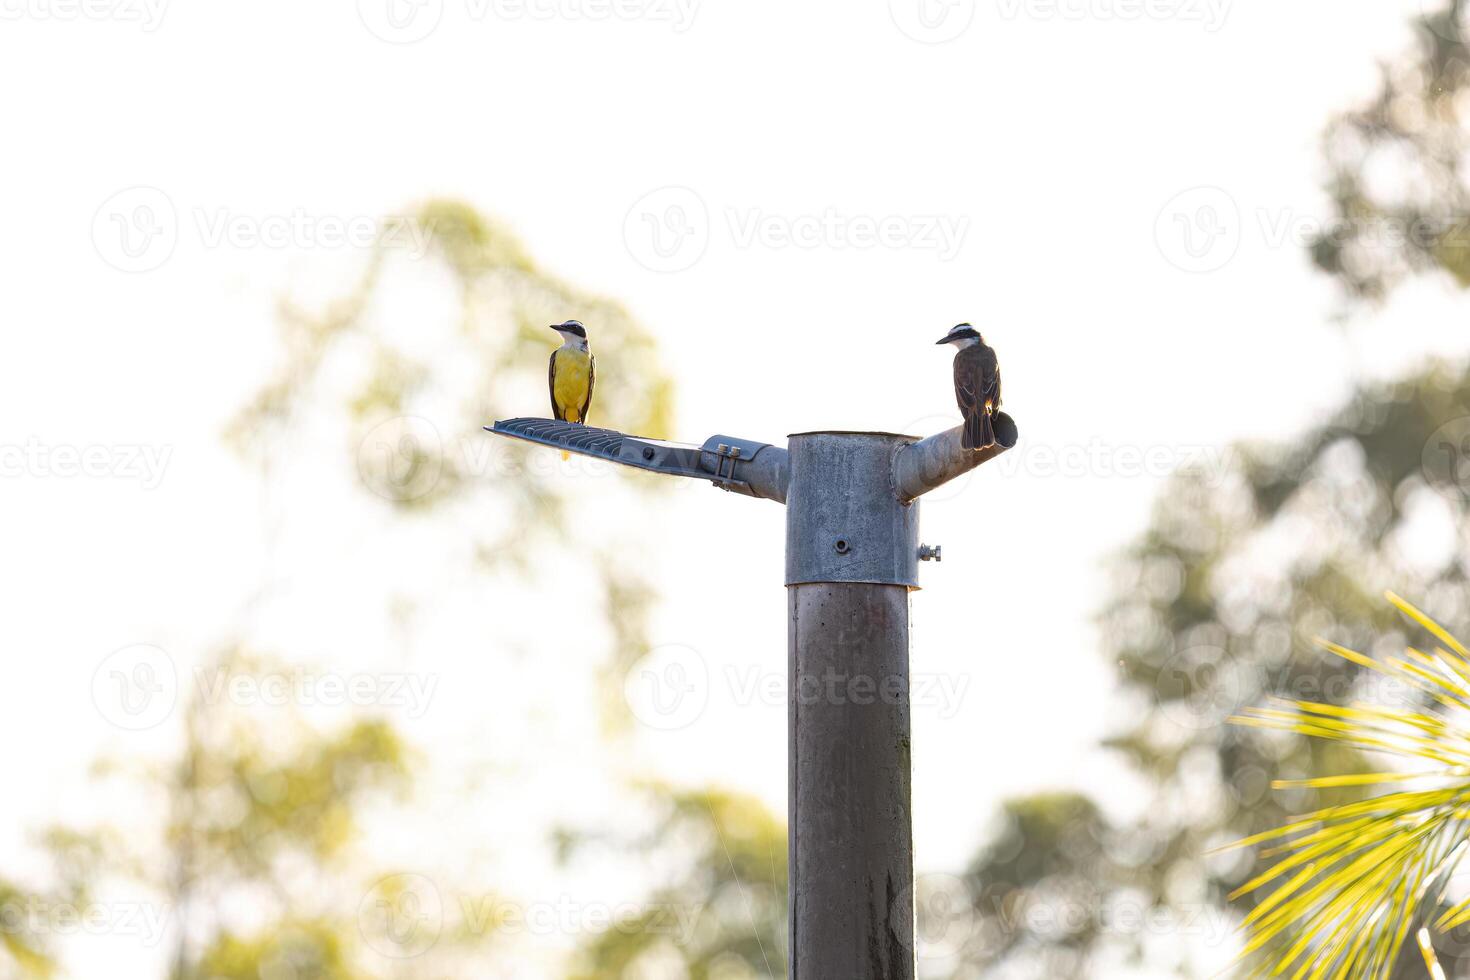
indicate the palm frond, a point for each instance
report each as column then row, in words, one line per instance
column 1350, row 884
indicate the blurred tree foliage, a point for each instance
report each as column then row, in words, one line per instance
column 24, row 950
column 1216, row 604
column 27, row 943
column 262, row 812
column 258, row 866
column 33, row 918
column 260, row 859
column 382, row 377
column 1037, row 883
column 727, row 848
column 385, row 383
column 722, row 916
column 1396, row 167
column 1215, row 608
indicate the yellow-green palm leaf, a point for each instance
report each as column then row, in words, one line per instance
column 1351, row 884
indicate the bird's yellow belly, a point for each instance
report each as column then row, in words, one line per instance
column 570, row 388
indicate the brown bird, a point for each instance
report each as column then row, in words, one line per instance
column 976, row 385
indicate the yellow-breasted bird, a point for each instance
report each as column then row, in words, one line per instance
column 976, row 385
column 571, row 374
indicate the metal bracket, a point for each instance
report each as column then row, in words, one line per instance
column 728, row 459
column 722, row 453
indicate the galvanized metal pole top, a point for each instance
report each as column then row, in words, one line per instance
column 757, row 469
column 844, row 519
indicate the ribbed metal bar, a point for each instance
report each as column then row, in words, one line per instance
column 755, row 469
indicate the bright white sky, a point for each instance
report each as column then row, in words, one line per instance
column 1049, row 146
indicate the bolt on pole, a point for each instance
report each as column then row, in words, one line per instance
column 852, row 555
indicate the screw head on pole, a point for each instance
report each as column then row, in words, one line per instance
column 931, row 552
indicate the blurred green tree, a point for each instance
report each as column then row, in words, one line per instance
column 1215, row 606
column 722, row 913
column 1048, row 862
column 1396, row 168
column 729, row 878
column 264, row 808
column 380, row 380
column 260, row 857
column 258, row 866
column 27, row 918
column 24, row 950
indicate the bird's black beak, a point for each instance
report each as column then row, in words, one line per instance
column 942, row 340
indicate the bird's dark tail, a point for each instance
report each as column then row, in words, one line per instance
column 979, row 432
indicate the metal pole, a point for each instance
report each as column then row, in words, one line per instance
column 852, row 556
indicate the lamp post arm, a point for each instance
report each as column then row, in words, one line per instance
column 744, row 466
column 921, row 466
